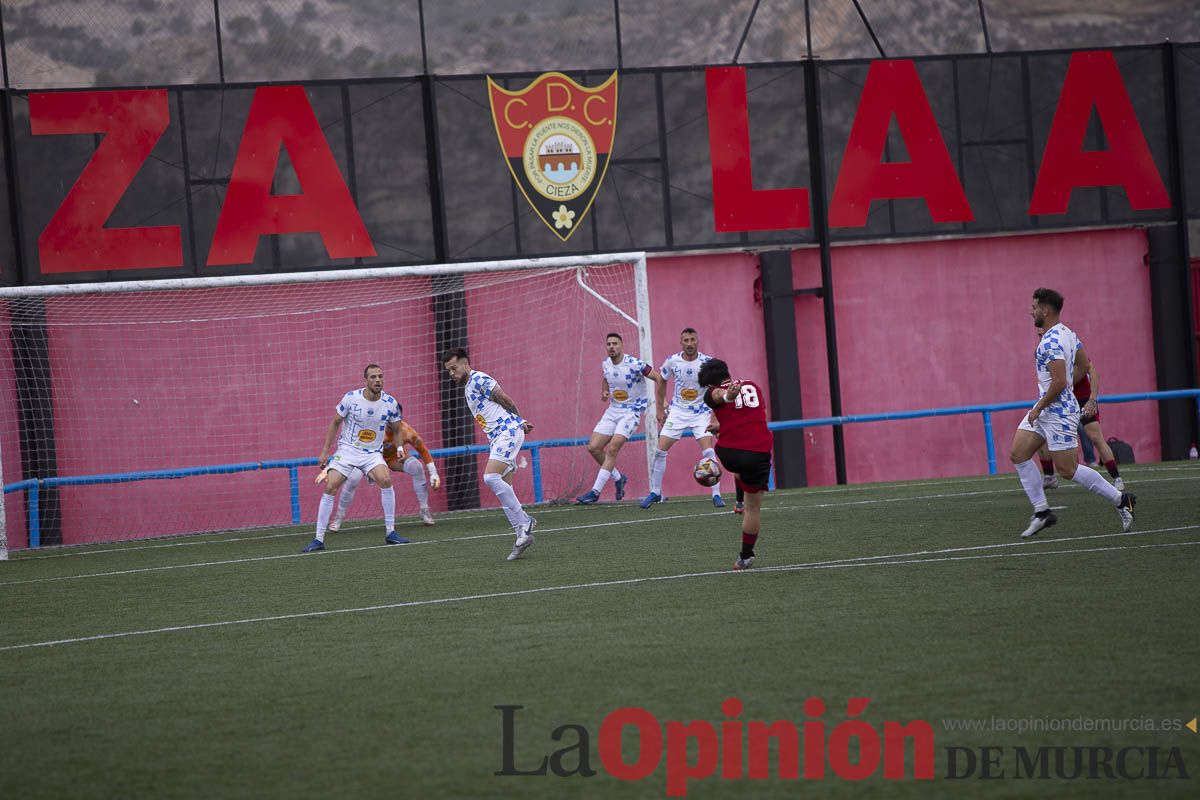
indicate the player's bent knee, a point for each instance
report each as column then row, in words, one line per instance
column 494, row 481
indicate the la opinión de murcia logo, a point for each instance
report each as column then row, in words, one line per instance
column 1071, row 762
column 732, row 750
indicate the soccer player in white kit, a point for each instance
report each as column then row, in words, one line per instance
column 623, row 387
column 363, row 415
column 687, row 412
column 497, row 414
column 1054, row 420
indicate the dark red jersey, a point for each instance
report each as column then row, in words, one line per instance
column 744, row 421
column 1083, row 390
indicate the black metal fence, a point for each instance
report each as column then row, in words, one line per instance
column 421, row 160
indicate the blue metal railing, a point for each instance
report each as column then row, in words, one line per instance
column 33, row 486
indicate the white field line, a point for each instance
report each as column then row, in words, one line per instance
column 70, row 552
column 895, row 560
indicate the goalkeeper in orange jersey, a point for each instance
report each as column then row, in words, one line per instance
column 397, row 461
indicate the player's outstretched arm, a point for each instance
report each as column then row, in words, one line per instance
column 718, row 395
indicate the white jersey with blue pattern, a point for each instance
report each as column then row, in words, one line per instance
column 688, row 395
column 1059, row 343
column 627, row 383
column 364, row 421
column 491, row 416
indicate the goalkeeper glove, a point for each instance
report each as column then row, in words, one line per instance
column 435, row 480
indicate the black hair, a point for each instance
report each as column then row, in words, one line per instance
column 370, row 367
column 1048, row 297
column 616, row 336
column 455, row 353
column 687, row 330
column 713, row 372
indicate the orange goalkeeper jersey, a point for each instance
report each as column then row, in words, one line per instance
column 408, row 436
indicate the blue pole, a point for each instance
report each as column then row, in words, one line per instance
column 294, row 487
column 991, row 445
column 535, row 461
column 35, row 521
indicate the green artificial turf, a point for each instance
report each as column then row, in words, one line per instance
column 240, row 681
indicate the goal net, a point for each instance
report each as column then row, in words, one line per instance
column 154, row 408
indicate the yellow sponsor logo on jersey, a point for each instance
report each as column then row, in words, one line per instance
column 620, row 395
column 689, row 394
column 366, row 435
column 482, row 422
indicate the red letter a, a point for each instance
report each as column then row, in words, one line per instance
column 1093, row 79
column 282, row 115
column 736, row 205
column 894, row 88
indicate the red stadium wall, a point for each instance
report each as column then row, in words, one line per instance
column 920, row 325
column 927, row 325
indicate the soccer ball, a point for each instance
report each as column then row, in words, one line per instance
column 707, row 472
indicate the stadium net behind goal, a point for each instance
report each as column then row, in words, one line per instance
column 118, row 379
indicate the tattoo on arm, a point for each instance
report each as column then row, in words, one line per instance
column 504, row 401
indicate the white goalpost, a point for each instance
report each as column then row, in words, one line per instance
column 149, row 408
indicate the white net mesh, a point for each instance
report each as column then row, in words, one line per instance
column 112, row 384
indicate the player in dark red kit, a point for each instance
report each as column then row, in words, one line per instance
column 743, row 443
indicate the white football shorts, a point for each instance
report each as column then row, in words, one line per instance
column 1060, row 433
column 618, row 422
column 678, row 422
column 348, row 459
column 505, row 446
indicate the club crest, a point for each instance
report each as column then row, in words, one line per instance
column 556, row 137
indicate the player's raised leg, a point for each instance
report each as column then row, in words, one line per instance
column 1094, row 482
column 498, row 475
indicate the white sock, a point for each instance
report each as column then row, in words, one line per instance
column 347, row 495
column 508, row 499
column 1031, row 481
column 324, row 511
column 616, row 474
column 414, row 467
column 601, row 478
column 710, row 453
column 388, row 496
column 1094, row 482
column 658, row 468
